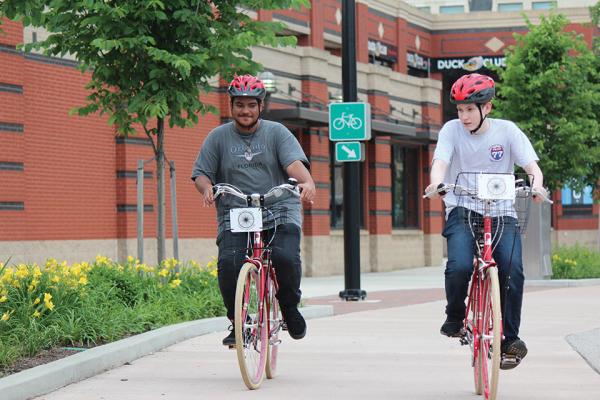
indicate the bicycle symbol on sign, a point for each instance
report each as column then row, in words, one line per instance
column 347, row 121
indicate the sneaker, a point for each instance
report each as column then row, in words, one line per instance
column 513, row 352
column 230, row 339
column 452, row 328
column 296, row 326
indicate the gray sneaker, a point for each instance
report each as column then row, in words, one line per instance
column 513, row 352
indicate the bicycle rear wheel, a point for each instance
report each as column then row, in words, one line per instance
column 491, row 338
column 250, row 327
column 275, row 324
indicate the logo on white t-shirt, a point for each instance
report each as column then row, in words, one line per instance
column 496, row 152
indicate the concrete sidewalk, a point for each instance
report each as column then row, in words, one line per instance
column 392, row 350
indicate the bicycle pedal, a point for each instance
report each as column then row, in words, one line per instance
column 284, row 326
column 509, row 362
column 231, row 346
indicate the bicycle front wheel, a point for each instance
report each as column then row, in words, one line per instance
column 250, row 327
column 275, row 325
column 491, row 335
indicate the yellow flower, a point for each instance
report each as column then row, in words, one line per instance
column 5, row 316
column 36, row 314
column 175, row 282
column 36, row 301
column 163, row 272
column 37, row 272
column 214, row 273
column 130, row 259
column 3, row 299
column 55, row 279
column 83, row 280
column 22, row 271
column 48, row 301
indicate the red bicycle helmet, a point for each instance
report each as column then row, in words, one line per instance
column 247, row 86
column 472, row 88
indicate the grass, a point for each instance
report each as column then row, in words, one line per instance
column 86, row 304
column 575, row 262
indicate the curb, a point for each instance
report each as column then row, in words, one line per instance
column 562, row 282
column 48, row 377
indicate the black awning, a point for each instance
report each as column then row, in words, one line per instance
column 308, row 117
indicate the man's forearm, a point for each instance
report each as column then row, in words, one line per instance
column 202, row 183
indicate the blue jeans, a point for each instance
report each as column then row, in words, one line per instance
column 461, row 248
column 285, row 256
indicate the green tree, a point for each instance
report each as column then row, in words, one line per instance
column 150, row 60
column 551, row 89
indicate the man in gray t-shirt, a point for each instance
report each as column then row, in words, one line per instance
column 475, row 143
column 255, row 155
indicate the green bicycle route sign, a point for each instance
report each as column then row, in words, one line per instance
column 349, row 121
column 349, row 151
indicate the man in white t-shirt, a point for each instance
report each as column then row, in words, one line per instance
column 474, row 143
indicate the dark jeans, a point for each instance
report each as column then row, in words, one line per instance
column 285, row 257
column 507, row 254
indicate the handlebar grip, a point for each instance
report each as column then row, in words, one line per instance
column 441, row 192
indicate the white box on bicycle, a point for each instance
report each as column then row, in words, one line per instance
column 246, row 219
column 496, row 186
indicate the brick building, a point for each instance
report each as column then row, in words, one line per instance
column 68, row 183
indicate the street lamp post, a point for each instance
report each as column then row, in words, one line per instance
column 352, row 188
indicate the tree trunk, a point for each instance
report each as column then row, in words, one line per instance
column 160, row 188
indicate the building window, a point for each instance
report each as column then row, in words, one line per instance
column 337, row 192
column 452, row 9
column 543, row 5
column 426, row 9
column 405, row 189
column 510, row 6
column 577, row 203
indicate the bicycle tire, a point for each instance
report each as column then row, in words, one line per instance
column 250, row 327
column 275, row 321
column 492, row 326
column 475, row 333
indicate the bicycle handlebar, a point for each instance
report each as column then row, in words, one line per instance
column 444, row 188
column 291, row 186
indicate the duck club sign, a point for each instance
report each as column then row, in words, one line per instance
column 468, row 64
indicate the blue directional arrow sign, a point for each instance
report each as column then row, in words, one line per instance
column 349, row 151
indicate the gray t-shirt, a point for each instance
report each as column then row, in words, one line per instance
column 253, row 163
column 496, row 150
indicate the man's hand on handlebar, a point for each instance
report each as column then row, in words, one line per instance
column 433, row 191
column 307, row 192
column 208, row 197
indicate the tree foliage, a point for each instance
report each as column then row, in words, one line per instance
column 152, row 58
column 551, row 89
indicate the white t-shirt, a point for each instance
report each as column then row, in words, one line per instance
column 496, row 150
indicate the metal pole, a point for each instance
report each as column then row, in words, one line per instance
column 140, row 210
column 174, row 210
column 352, row 188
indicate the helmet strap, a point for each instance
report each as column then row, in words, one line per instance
column 481, row 119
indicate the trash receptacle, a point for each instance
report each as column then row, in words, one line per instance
column 537, row 244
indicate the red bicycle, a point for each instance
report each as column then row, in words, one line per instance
column 492, row 204
column 258, row 318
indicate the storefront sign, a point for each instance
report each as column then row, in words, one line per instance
column 378, row 49
column 417, row 61
column 468, row 64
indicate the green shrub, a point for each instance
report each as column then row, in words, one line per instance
column 83, row 304
column 575, row 262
